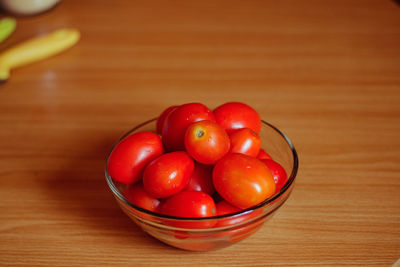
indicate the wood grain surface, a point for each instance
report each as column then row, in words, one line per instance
column 327, row 73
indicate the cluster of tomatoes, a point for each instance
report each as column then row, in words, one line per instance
column 198, row 162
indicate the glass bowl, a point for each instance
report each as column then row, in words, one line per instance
column 202, row 234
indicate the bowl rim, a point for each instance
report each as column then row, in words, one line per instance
column 267, row 201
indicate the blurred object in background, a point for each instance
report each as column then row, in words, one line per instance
column 7, row 27
column 27, row 7
column 35, row 49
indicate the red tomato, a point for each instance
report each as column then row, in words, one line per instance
column 206, row 141
column 224, row 208
column 162, row 117
column 168, row 174
column 236, row 115
column 263, row 155
column 194, row 204
column 246, row 231
column 135, row 194
column 278, row 172
column 178, row 120
column 201, row 179
column 130, row 156
column 245, row 141
column 243, row 181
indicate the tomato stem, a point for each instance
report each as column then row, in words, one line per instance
column 199, row 133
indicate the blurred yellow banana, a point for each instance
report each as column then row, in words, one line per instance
column 36, row 49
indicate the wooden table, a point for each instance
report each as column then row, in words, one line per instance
column 327, row 73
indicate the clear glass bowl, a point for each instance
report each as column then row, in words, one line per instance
column 195, row 233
